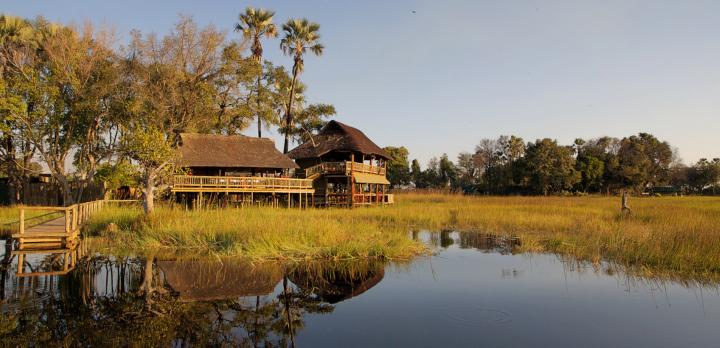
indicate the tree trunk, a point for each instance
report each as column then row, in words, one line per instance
column 66, row 190
column 149, row 193
column 288, row 117
column 258, row 105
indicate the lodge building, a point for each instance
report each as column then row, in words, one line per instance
column 340, row 166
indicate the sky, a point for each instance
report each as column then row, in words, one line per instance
column 439, row 76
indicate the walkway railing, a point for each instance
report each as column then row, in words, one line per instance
column 74, row 215
column 343, row 168
column 233, row 183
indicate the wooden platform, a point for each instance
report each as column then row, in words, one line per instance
column 59, row 232
column 50, row 232
column 239, row 184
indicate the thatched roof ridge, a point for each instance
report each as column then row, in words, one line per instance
column 230, row 151
column 337, row 136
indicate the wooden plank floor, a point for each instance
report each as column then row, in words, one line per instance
column 50, row 232
column 52, row 227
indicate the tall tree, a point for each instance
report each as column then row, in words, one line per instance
column 308, row 120
column 552, row 166
column 416, row 173
column 487, row 158
column 300, row 36
column 704, row 174
column 398, row 167
column 467, row 171
column 644, row 160
column 234, row 84
column 18, row 53
column 75, row 73
column 171, row 87
column 446, row 172
column 256, row 23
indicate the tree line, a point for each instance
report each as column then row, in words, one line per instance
column 509, row 165
column 70, row 94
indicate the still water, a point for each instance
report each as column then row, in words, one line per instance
column 474, row 292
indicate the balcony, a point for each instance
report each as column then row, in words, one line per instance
column 192, row 183
column 343, row 168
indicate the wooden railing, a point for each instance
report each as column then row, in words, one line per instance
column 182, row 182
column 343, row 168
column 75, row 215
column 371, row 198
column 343, row 199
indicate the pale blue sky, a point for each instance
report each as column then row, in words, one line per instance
column 440, row 79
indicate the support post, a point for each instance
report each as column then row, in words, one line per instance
column 22, row 220
column 351, row 181
column 67, row 220
column 74, row 218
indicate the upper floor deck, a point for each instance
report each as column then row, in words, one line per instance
column 343, row 168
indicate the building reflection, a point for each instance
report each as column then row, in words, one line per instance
column 67, row 296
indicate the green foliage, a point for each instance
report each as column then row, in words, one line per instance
column 256, row 23
column 591, row 170
column 644, row 160
column 150, row 148
column 116, row 175
column 398, row 167
column 704, row 174
column 551, row 166
column 300, row 35
column 416, row 173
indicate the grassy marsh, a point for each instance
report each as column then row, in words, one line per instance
column 678, row 234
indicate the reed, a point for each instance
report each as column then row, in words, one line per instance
column 256, row 233
column 679, row 234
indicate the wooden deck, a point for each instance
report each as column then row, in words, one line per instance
column 342, row 168
column 240, row 184
column 47, row 232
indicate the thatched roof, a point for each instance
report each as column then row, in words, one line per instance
column 230, row 151
column 208, row 281
column 336, row 136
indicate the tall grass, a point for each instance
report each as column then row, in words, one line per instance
column 669, row 233
column 257, row 233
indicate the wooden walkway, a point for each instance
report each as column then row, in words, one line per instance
column 51, row 232
column 63, row 231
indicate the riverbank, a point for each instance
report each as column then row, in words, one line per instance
column 678, row 234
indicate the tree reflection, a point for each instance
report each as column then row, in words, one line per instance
column 145, row 301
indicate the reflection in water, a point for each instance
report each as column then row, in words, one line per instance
column 338, row 283
column 196, row 280
column 116, row 301
column 480, row 241
column 71, row 297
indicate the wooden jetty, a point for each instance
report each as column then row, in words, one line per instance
column 61, row 231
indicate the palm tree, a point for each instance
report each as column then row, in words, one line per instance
column 15, row 33
column 255, row 24
column 300, row 35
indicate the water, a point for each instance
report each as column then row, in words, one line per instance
column 473, row 292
